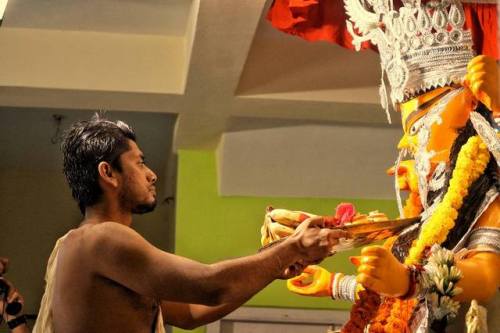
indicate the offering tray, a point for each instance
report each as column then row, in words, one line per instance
column 369, row 232
column 364, row 233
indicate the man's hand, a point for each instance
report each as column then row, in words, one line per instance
column 381, row 272
column 314, row 281
column 313, row 243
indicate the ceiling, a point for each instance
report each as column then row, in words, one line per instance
column 214, row 67
column 123, row 17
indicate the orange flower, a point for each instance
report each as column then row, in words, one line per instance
column 363, row 310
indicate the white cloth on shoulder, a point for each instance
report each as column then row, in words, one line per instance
column 44, row 322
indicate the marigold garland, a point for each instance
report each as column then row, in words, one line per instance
column 413, row 205
column 362, row 312
column 394, row 314
column 471, row 163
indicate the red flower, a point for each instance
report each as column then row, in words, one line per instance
column 345, row 212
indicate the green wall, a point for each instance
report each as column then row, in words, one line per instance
column 211, row 228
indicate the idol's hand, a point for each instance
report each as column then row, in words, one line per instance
column 482, row 80
column 407, row 175
column 381, row 272
column 314, row 281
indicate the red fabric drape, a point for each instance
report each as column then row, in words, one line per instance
column 325, row 20
column 313, row 20
column 482, row 19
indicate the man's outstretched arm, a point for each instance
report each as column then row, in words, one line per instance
column 122, row 255
column 190, row 316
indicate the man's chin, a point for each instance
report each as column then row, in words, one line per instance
column 144, row 208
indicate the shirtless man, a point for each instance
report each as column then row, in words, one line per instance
column 110, row 279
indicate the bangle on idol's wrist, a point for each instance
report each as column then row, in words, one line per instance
column 414, row 273
column 349, row 288
column 335, row 284
column 344, row 287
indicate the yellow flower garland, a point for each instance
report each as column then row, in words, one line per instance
column 471, row 163
column 413, row 206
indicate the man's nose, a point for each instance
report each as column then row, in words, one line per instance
column 152, row 176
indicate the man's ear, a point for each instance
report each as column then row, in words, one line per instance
column 107, row 174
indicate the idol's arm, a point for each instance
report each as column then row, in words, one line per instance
column 482, row 266
column 380, row 271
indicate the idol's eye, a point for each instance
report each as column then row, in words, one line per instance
column 416, row 126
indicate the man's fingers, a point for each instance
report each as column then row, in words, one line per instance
column 317, row 261
column 324, row 238
column 335, row 234
column 294, row 271
column 330, row 237
column 289, row 273
column 338, row 233
column 316, row 221
column 304, row 225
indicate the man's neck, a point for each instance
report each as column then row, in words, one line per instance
column 99, row 214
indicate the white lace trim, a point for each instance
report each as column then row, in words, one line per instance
column 422, row 46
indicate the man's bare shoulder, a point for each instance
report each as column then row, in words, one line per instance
column 104, row 231
column 103, row 239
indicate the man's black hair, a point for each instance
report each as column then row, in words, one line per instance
column 86, row 144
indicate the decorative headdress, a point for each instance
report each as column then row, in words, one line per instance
column 422, row 45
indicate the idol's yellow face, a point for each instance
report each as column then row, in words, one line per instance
column 442, row 136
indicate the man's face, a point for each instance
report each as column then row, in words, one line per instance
column 137, row 189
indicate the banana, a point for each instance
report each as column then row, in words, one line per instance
column 267, row 232
column 280, row 230
column 288, row 217
column 377, row 216
column 266, row 236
